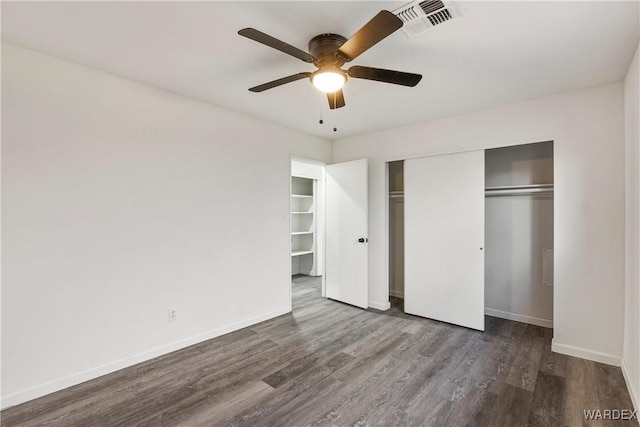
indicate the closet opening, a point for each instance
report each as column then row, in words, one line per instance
column 307, row 227
column 396, row 231
column 519, row 233
column 471, row 234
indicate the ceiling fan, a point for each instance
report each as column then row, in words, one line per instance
column 329, row 52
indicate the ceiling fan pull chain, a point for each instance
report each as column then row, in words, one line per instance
column 335, row 111
column 321, row 102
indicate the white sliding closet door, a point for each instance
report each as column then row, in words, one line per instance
column 444, row 238
column 346, row 262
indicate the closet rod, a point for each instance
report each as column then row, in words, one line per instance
column 502, row 191
column 519, row 190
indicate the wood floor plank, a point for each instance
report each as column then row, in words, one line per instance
column 354, row 333
column 330, row 364
column 552, row 363
column 436, row 384
column 510, row 408
column 580, row 393
column 460, row 378
column 524, row 368
column 131, row 382
column 611, row 387
column 367, row 395
column 294, row 394
column 469, row 410
column 495, row 363
column 363, row 393
column 272, row 360
column 548, row 401
column 295, row 412
column 230, row 404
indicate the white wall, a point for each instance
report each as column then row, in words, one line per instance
column 121, row 201
column 517, row 230
column 588, row 132
column 631, row 355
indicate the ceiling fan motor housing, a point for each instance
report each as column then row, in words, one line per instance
column 324, row 48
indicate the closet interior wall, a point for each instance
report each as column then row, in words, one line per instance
column 519, row 235
column 396, row 229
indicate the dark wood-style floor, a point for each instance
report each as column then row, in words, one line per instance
column 331, row 364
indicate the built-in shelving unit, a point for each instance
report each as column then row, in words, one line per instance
column 303, row 226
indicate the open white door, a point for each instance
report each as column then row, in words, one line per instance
column 444, row 238
column 346, row 261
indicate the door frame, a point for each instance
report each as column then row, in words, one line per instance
column 319, row 207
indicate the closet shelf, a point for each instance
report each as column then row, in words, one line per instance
column 519, row 190
column 303, row 204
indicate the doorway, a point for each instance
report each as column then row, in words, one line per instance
column 396, row 229
column 307, row 210
column 519, row 227
column 329, row 226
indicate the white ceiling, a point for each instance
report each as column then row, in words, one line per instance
column 496, row 53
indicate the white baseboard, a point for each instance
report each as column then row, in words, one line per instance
column 632, row 392
column 380, row 305
column 89, row 374
column 396, row 293
column 583, row 353
column 546, row 323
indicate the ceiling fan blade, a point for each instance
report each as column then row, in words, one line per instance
column 381, row 26
column 386, row 76
column 280, row 82
column 266, row 39
column 336, row 99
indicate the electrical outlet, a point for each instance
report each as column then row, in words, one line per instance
column 172, row 314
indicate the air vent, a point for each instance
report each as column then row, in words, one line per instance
column 419, row 16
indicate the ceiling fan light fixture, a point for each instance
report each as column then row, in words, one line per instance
column 328, row 80
column 328, row 52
